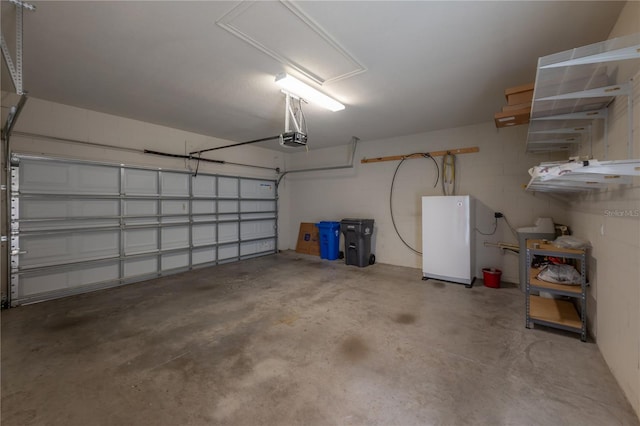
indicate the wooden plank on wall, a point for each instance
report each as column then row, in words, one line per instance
column 422, row 154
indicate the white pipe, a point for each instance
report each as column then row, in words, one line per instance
column 504, row 246
column 287, row 108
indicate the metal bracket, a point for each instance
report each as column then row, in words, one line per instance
column 16, row 76
column 15, row 280
column 23, row 4
column 289, row 115
column 14, row 253
column 584, row 115
column 16, row 69
column 15, row 183
column 600, row 92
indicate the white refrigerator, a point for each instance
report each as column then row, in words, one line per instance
column 448, row 238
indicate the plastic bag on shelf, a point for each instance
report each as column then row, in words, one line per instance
column 571, row 242
column 560, row 274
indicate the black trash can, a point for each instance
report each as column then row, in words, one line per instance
column 357, row 241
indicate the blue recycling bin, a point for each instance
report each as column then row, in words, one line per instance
column 329, row 235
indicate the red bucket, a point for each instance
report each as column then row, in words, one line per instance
column 491, row 277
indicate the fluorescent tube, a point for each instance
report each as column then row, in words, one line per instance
column 308, row 93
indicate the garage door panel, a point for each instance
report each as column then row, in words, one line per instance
column 140, row 207
column 57, row 214
column 203, row 206
column 175, row 184
column 43, row 177
column 226, row 252
column 68, row 178
column 251, row 188
column 140, row 182
column 58, row 248
column 175, row 207
column 257, row 247
column 175, row 237
column 203, row 234
column 96, row 180
column 175, row 260
column 140, row 212
column 203, row 255
column 62, row 208
column 252, row 206
column 140, row 266
column 143, row 240
column 34, row 283
column 227, row 206
column 203, row 186
column 228, row 187
column 257, row 229
column 228, row 232
column 80, row 226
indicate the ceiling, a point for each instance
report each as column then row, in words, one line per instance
column 399, row 67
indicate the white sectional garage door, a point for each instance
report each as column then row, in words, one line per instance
column 79, row 226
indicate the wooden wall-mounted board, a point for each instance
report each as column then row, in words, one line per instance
column 420, row 155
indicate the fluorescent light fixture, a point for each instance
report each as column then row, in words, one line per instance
column 308, row 93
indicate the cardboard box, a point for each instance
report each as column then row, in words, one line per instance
column 508, row 108
column 519, row 94
column 308, row 239
column 512, row 118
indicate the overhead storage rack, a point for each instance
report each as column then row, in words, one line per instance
column 580, row 176
column 572, row 90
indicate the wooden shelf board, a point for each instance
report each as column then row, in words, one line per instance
column 421, row 155
column 554, row 311
column 552, row 286
column 550, row 247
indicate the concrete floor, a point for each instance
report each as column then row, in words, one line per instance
column 291, row 339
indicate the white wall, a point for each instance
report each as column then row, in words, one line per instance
column 494, row 176
column 614, row 296
column 62, row 121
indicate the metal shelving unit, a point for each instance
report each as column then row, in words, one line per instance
column 561, row 312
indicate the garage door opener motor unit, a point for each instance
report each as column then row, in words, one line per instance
column 293, row 139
